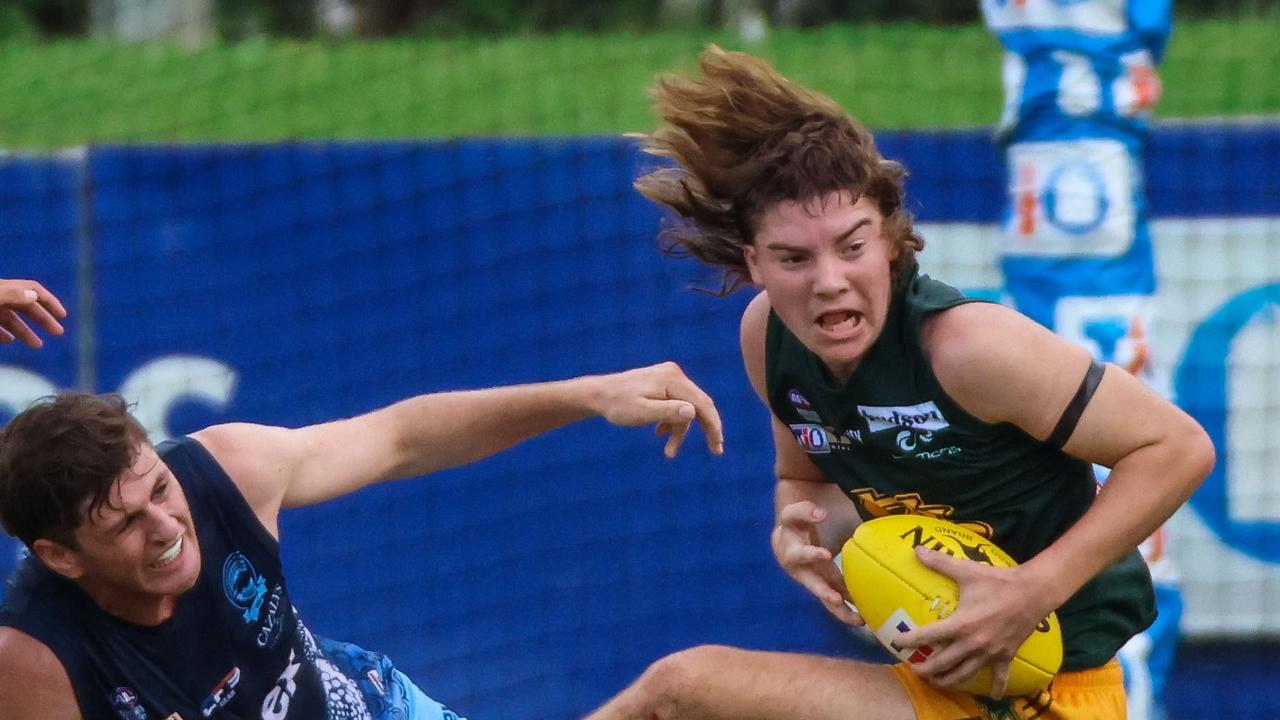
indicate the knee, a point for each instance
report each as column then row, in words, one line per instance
column 674, row 685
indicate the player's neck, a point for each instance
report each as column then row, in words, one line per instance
column 130, row 606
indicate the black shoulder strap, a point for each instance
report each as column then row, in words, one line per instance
column 1071, row 416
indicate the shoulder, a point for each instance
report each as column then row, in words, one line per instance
column 33, row 683
column 956, row 336
column 755, row 320
column 256, row 459
column 752, row 335
column 990, row 359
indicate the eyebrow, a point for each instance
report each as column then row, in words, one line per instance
column 118, row 525
column 779, row 245
column 856, row 227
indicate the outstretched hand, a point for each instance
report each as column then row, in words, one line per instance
column 29, row 298
column 997, row 612
column 664, row 395
column 795, row 544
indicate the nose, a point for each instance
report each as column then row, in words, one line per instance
column 829, row 278
column 163, row 526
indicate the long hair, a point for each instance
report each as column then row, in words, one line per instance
column 742, row 137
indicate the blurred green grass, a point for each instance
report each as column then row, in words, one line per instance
column 892, row 76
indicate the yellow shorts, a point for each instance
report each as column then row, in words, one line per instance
column 1096, row 694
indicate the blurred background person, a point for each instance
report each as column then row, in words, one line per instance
column 1080, row 84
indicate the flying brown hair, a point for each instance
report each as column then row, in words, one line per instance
column 742, row 137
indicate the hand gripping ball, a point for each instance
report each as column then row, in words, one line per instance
column 895, row 593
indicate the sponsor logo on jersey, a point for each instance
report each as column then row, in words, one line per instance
column 275, row 706
column 125, row 702
column 247, row 590
column 920, row 417
column 917, row 426
column 813, row 438
column 221, row 693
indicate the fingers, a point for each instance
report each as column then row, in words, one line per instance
column 1000, row 678
column 951, row 672
column 821, row 588
column 797, row 551
column 803, row 512
column 846, row 614
column 810, row 564
column 30, row 298
column 48, row 303
column 677, row 437
column 13, row 327
column 680, row 387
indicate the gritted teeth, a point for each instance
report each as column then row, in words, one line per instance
column 837, row 320
column 168, row 555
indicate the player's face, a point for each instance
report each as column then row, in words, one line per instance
column 825, row 265
column 139, row 551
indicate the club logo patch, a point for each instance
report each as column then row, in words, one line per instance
column 802, row 405
column 247, row 590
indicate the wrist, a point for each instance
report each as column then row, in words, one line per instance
column 587, row 394
column 1052, row 585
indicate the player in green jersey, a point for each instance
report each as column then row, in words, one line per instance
column 892, row 393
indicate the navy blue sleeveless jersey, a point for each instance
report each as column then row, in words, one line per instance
column 234, row 648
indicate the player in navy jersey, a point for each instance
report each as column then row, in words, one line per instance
column 890, row 393
column 1077, row 254
column 154, row 588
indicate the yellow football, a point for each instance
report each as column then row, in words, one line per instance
column 895, row 592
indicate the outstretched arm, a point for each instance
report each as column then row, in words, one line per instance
column 28, row 298
column 279, row 467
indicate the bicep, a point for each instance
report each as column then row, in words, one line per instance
column 278, row 467
column 1123, row 416
column 1002, row 367
column 33, row 682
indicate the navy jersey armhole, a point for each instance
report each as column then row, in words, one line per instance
column 215, row 492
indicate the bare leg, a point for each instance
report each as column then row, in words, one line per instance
column 720, row 683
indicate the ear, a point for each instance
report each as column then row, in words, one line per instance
column 752, row 260
column 59, row 558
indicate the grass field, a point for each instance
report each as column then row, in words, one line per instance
column 893, row 76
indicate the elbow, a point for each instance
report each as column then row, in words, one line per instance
column 1196, row 456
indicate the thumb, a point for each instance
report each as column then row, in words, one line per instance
column 16, row 296
column 677, row 412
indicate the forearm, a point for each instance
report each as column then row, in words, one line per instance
column 842, row 518
column 1143, row 491
column 443, row 430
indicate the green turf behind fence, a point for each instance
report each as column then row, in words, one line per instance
column 893, row 76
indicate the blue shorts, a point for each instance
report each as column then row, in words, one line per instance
column 417, row 705
column 388, row 693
